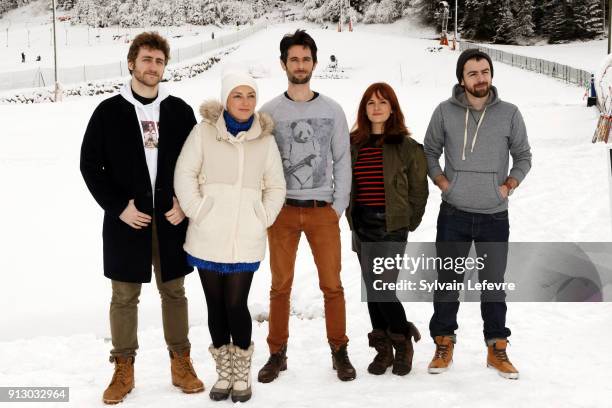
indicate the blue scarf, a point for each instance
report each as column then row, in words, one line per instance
column 235, row 127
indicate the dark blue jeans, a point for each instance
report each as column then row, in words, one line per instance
column 457, row 230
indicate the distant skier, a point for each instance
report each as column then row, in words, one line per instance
column 38, row 58
column 22, row 57
column 333, row 64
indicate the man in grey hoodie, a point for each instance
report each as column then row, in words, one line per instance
column 477, row 133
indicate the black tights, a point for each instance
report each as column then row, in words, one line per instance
column 228, row 312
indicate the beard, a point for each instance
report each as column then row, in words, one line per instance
column 478, row 91
column 299, row 81
column 148, row 80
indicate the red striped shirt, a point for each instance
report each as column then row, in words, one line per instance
column 369, row 179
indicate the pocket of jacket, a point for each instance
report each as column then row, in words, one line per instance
column 204, row 209
column 260, row 213
column 474, row 190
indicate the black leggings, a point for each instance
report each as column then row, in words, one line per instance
column 369, row 228
column 228, row 312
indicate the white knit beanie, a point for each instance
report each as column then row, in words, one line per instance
column 232, row 80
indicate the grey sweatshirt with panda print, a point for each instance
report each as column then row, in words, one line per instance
column 313, row 139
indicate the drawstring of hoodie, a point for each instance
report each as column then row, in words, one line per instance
column 465, row 133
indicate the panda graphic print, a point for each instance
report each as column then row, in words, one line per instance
column 304, row 146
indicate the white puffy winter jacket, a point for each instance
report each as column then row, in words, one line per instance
column 231, row 187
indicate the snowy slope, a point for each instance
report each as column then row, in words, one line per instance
column 55, row 300
column 585, row 55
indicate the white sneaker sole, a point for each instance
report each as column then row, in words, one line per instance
column 439, row 370
column 508, row 376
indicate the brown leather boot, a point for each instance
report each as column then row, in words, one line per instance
column 277, row 362
column 498, row 359
column 342, row 364
column 122, row 382
column 443, row 358
column 404, row 351
column 183, row 373
column 379, row 340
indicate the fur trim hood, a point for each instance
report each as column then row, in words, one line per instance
column 212, row 113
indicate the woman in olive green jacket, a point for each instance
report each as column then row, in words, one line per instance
column 388, row 200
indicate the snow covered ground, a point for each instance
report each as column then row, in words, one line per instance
column 28, row 29
column 55, row 300
column 586, row 55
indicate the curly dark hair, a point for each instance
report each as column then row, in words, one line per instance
column 300, row 37
column 152, row 40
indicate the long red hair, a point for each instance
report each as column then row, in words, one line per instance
column 394, row 126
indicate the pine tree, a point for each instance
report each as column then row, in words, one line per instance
column 523, row 12
column 360, row 5
column 179, row 16
column 505, row 29
column 588, row 18
column 562, row 24
column 209, row 12
column 65, row 4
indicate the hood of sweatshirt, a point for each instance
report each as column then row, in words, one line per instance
column 147, row 113
column 459, row 98
column 126, row 92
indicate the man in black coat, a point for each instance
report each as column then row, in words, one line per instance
column 128, row 156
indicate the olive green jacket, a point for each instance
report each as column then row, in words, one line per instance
column 406, row 185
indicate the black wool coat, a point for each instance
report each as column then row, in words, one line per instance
column 114, row 167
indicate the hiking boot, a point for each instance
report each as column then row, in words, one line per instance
column 443, row 358
column 498, row 359
column 277, row 362
column 223, row 362
column 404, row 351
column 342, row 364
column 183, row 373
column 241, row 373
column 379, row 340
column 122, row 382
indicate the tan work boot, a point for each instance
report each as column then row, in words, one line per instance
column 498, row 359
column 122, row 382
column 443, row 358
column 183, row 373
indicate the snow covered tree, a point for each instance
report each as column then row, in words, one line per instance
column 504, row 33
column 589, row 18
column 523, row 11
column 562, row 26
column 179, row 12
column 86, row 12
column 313, row 10
column 235, row 12
column 389, row 10
column 65, row 4
column 360, row 5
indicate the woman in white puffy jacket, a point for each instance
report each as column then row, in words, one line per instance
column 229, row 181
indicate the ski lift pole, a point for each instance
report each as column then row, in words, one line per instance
column 57, row 91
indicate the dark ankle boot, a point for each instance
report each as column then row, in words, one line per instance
column 404, row 351
column 342, row 364
column 379, row 340
column 277, row 362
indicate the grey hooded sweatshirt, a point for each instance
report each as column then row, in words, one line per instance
column 476, row 163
